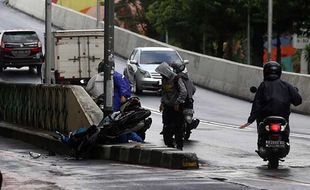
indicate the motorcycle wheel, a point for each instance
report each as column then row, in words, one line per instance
column 273, row 163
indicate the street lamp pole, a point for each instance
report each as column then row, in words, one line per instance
column 269, row 30
column 108, row 56
column 249, row 34
column 48, row 41
column 98, row 13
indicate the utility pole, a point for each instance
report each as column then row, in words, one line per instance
column 249, row 34
column 167, row 37
column 48, row 41
column 98, row 13
column 108, row 56
column 269, row 30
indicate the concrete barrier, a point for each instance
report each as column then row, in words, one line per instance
column 54, row 107
column 220, row 75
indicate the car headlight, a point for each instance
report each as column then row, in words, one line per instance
column 146, row 74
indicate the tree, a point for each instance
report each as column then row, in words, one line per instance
column 188, row 22
column 130, row 13
column 204, row 25
column 169, row 16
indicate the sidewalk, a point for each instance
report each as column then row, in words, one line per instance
column 133, row 153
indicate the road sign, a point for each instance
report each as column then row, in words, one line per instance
column 300, row 42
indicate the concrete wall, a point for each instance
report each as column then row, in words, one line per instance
column 54, row 107
column 213, row 73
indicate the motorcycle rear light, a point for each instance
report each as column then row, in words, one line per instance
column 275, row 127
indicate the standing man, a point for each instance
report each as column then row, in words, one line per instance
column 174, row 94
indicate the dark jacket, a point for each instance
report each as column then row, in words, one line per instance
column 190, row 88
column 173, row 91
column 273, row 98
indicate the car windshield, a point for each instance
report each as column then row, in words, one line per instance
column 157, row 57
column 18, row 37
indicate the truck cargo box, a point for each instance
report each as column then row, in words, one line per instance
column 77, row 54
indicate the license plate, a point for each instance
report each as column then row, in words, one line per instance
column 21, row 53
column 275, row 144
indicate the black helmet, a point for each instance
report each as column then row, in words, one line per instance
column 272, row 70
column 177, row 67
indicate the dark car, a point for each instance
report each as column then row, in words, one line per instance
column 141, row 65
column 19, row 48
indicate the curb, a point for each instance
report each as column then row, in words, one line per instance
column 140, row 154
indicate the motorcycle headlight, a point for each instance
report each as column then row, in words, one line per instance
column 146, row 74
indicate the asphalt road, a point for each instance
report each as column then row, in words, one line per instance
column 24, row 172
column 226, row 152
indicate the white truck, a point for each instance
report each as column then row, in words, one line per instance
column 77, row 54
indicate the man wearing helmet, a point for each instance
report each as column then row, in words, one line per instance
column 174, row 94
column 273, row 97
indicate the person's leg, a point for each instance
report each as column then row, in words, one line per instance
column 1, row 178
column 168, row 125
column 287, row 132
column 179, row 129
column 168, row 136
column 260, row 134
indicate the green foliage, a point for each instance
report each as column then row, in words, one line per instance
column 131, row 14
column 188, row 22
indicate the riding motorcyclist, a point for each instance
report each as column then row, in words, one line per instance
column 174, row 94
column 273, row 98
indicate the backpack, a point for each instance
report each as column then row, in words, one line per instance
column 190, row 88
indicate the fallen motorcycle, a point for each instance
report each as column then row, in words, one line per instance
column 131, row 118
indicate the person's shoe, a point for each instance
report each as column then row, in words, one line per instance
column 179, row 148
column 194, row 124
column 170, row 146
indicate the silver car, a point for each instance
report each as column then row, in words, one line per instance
column 141, row 65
